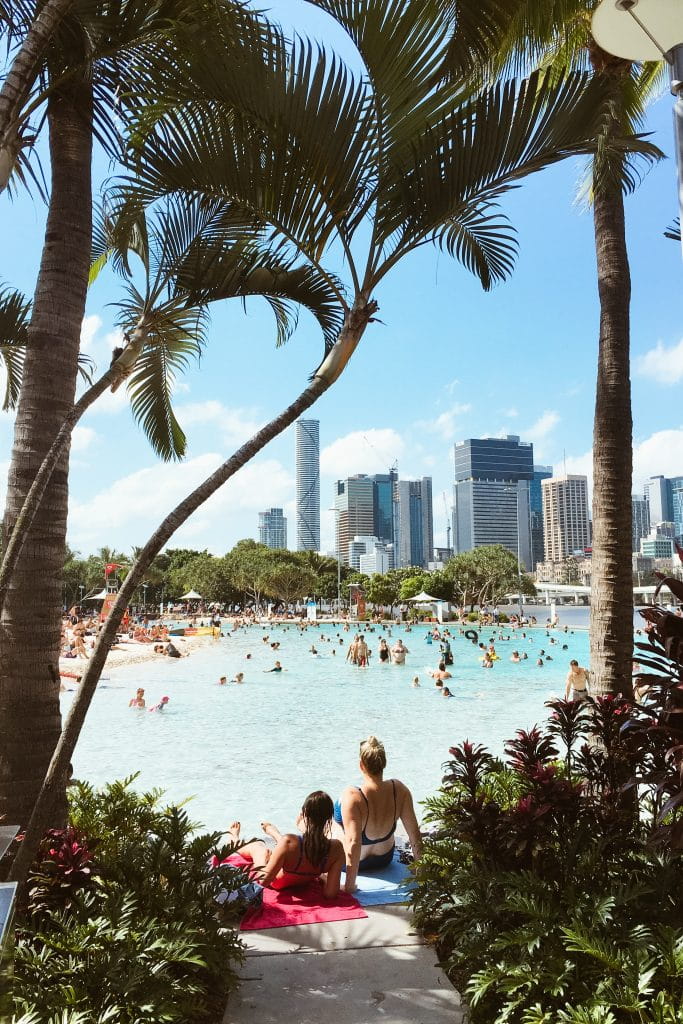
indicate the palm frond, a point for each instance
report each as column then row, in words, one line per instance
column 674, row 231
column 483, row 240
column 175, row 336
column 211, row 272
column 14, row 320
column 484, row 148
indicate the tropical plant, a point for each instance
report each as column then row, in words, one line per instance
column 556, row 35
column 313, row 156
column 549, row 882
column 121, row 918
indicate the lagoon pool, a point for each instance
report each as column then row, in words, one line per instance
column 254, row 751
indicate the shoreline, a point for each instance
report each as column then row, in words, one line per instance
column 131, row 652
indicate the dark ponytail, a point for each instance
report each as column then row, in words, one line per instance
column 317, row 813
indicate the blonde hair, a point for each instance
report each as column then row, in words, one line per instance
column 373, row 755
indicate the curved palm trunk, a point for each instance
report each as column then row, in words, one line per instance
column 331, row 369
column 30, row 625
column 20, row 79
column 611, row 617
column 36, row 493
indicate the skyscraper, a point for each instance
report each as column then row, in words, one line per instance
column 536, row 513
column 566, row 522
column 308, row 485
column 659, row 496
column 383, row 509
column 354, row 502
column 491, row 494
column 413, row 522
column 272, row 528
column 640, row 520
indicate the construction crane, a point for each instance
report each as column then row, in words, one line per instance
column 448, row 523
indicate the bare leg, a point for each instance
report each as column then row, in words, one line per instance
column 271, row 830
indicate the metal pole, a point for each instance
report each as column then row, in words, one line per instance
column 676, row 55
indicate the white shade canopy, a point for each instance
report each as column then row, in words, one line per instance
column 424, row 598
column 100, row 596
column 652, row 26
column 191, row 595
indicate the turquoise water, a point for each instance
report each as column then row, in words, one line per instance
column 254, row 751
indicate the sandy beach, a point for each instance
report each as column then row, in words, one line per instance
column 130, row 652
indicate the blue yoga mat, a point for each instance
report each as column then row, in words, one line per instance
column 392, row 884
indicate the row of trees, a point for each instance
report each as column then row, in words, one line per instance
column 246, row 163
column 252, row 574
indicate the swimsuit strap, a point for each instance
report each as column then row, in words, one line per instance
column 364, row 837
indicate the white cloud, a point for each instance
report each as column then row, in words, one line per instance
column 661, row 452
column 539, row 430
column 82, row 438
column 128, row 510
column 664, row 365
column 363, row 451
column 445, row 423
column 511, row 413
column 89, row 329
column 235, row 425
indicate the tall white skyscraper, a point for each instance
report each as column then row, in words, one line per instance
column 566, row 522
column 308, row 485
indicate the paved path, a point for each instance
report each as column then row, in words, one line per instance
column 348, row 972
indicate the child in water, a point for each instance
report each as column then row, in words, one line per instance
column 161, row 705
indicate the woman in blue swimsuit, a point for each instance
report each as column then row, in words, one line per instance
column 369, row 813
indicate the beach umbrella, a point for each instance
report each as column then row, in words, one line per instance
column 423, row 598
column 191, row 595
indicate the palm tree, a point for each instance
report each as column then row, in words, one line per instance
column 313, row 157
column 554, row 35
column 99, row 58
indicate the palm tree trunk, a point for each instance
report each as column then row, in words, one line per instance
column 330, row 370
column 611, row 617
column 30, row 624
column 34, row 497
column 20, row 79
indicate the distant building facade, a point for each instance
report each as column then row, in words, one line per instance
column 308, row 485
column 536, row 513
column 272, row 528
column 491, row 495
column 354, row 503
column 413, row 522
column 566, row 519
column 640, row 520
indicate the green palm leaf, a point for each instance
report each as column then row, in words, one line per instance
column 176, row 335
column 14, row 319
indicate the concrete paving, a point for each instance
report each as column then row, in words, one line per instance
column 349, row 972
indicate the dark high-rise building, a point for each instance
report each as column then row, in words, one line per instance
column 491, row 494
column 383, row 505
column 308, row 485
column 536, row 513
column 413, row 522
column 640, row 520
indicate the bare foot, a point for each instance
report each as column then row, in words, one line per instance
column 271, row 830
column 234, row 831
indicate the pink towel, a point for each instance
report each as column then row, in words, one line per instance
column 303, row 905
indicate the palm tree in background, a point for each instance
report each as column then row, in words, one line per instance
column 555, row 35
column 321, row 162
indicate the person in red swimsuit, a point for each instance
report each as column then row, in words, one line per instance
column 297, row 859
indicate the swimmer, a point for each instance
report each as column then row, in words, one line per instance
column 160, row 706
column 416, row 681
column 539, row 663
column 277, row 667
column 441, row 672
column 446, row 692
column 486, row 662
column 138, row 701
column 515, row 657
column 239, row 678
column 222, row 681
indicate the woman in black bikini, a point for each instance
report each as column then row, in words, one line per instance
column 383, row 651
column 297, row 859
column 368, row 815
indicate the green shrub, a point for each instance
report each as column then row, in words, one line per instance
column 473, row 616
column 503, row 617
column 549, row 897
column 137, row 937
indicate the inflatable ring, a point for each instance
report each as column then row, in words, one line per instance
column 472, row 635
column 70, row 675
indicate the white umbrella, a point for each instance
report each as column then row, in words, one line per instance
column 191, row 595
column 96, row 597
column 423, row 598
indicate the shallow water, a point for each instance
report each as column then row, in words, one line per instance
column 254, row 751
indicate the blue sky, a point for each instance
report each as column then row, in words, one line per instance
column 447, row 362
